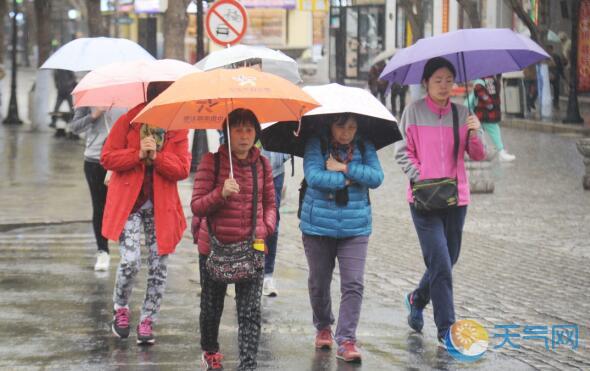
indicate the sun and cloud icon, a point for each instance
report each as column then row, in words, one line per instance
column 467, row 340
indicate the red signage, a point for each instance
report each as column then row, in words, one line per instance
column 584, row 47
column 226, row 22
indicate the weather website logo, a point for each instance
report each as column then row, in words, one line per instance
column 467, row 340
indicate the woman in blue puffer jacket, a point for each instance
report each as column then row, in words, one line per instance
column 340, row 167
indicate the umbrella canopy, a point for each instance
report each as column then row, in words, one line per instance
column 124, row 84
column 475, row 53
column 375, row 122
column 86, row 54
column 273, row 61
column 203, row 100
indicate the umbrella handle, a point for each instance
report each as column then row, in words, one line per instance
column 298, row 131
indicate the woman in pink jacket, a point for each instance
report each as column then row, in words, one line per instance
column 428, row 152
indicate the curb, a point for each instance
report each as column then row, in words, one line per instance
column 546, row 127
column 5, row 227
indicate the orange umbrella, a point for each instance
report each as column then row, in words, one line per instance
column 204, row 100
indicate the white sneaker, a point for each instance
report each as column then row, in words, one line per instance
column 268, row 288
column 505, row 156
column 103, row 261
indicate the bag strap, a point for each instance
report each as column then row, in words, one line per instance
column 254, row 193
column 456, row 137
column 255, row 197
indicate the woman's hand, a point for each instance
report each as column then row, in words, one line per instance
column 333, row 165
column 97, row 112
column 473, row 124
column 230, row 187
column 147, row 148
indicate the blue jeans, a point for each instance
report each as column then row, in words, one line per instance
column 440, row 239
column 272, row 240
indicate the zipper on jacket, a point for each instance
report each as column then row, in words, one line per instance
column 442, row 154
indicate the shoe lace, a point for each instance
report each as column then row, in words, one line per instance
column 214, row 359
column 145, row 327
column 122, row 317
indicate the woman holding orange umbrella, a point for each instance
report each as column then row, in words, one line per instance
column 234, row 211
column 233, row 193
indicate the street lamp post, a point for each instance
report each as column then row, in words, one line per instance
column 12, row 116
column 200, row 137
column 573, row 111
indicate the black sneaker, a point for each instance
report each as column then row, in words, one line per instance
column 415, row 318
column 121, row 323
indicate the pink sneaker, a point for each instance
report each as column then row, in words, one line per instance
column 120, row 325
column 324, row 339
column 144, row 332
column 348, row 352
column 212, row 361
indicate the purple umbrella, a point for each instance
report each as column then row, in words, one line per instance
column 475, row 53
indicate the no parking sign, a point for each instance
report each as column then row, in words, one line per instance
column 226, row 22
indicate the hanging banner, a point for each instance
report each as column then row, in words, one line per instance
column 584, row 47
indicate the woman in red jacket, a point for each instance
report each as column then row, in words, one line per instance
column 227, row 203
column 146, row 163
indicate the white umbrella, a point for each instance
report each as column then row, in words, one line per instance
column 375, row 121
column 86, row 54
column 335, row 98
column 273, row 61
column 124, row 84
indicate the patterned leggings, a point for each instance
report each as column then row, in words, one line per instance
column 129, row 243
column 248, row 296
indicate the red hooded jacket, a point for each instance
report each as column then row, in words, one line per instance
column 121, row 155
column 231, row 218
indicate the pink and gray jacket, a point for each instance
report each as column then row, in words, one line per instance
column 427, row 150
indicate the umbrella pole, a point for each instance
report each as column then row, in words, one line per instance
column 231, row 167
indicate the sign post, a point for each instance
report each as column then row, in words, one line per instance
column 226, row 22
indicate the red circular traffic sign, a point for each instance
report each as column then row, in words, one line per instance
column 226, row 22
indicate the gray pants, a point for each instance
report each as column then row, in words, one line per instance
column 321, row 253
column 129, row 244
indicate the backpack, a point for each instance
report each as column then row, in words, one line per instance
column 303, row 185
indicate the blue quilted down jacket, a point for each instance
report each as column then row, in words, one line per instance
column 320, row 215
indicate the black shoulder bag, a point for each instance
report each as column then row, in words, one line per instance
column 440, row 193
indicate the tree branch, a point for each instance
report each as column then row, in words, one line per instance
column 470, row 7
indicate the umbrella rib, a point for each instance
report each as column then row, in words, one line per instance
column 289, row 108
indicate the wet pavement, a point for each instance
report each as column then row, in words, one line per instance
column 524, row 260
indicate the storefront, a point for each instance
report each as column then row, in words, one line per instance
column 357, row 35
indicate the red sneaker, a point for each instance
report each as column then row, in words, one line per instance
column 348, row 352
column 212, row 361
column 324, row 339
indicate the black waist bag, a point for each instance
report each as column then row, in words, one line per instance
column 440, row 193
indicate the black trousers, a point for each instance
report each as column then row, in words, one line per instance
column 59, row 101
column 248, row 296
column 95, row 174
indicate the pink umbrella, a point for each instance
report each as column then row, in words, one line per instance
column 124, row 84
